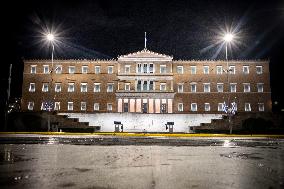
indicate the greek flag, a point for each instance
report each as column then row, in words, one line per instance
column 225, row 107
column 48, row 106
column 234, row 108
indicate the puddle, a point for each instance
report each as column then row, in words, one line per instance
column 252, row 156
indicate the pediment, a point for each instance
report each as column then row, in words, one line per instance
column 145, row 55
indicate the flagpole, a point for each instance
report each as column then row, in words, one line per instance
column 145, row 41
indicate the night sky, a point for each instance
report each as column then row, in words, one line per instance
column 106, row 29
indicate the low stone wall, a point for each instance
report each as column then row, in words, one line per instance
column 137, row 122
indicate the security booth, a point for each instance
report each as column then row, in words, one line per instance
column 118, row 127
column 170, row 126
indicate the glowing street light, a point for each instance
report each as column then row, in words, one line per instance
column 227, row 39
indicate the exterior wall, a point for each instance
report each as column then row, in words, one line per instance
column 133, row 122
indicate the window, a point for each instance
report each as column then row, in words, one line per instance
column 151, row 85
column 206, row 87
column 258, row 69
column 97, row 69
column 125, row 107
column 206, row 69
column 110, row 87
column 194, row 107
column 180, row 88
column 145, row 68
column 220, row 107
column 32, row 87
column 261, row 107
column 163, row 86
column 180, row 69
column 127, row 86
column 233, row 87
column 84, row 69
column 70, row 106
column 163, row 107
column 219, row 69
column 207, row 107
column 46, row 69
column 57, row 106
column 71, row 87
column 220, row 87
column 139, row 68
column 97, row 87
column 151, row 68
column 33, row 69
column 232, row 69
column 31, row 105
column 71, row 69
column 193, row 88
column 193, row 69
column 127, row 69
column 42, row 107
column 83, row 106
column 58, row 69
column 110, row 69
column 45, row 87
column 139, row 85
column 247, row 107
column 246, row 69
column 145, row 85
column 163, row 69
column 84, row 87
column 57, row 87
column 109, row 106
column 246, row 87
column 96, row 106
column 180, row 107
column 259, row 87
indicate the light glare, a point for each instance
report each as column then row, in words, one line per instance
column 50, row 37
column 228, row 37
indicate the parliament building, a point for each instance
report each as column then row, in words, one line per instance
column 146, row 88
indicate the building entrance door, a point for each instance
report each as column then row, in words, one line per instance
column 164, row 108
column 145, row 108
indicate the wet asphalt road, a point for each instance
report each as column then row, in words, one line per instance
column 137, row 162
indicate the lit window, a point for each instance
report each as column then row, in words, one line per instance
column 207, row 107
column 58, row 69
column 83, row 106
column 220, row 107
column 110, row 87
column 258, row 69
column 84, row 87
column 97, row 69
column 46, row 69
column 110, row 69
column 145, row 68
column 57, row 87
column 194, row 107
column 127, row 68
column 71, row 69
column 193, row 69
column 233, row 87
column 260, row 87
column 97, row 87
column 84, row 69
column 232, row 69
column 32, row 87
column 180, row 107
column 247, row 107
column 33, row 69
column 71, row 87
column 127, row 86
column 193, row 88
column 246, row 69
column 109, row 106
column 220, row 87
column 163, row 69
column 219, row 69
column 96, row 106
column 139, row 68
column 180, row 69
column 45, row 87
column 180, row 88
column 261, row 107
column 206, row 87
column 31, row 105
column 163, row 86
column 57, row 106
column 246, row 87
column 206, row 69
column 70, row 106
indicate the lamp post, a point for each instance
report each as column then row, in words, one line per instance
column 50, row 38
column 229, row 109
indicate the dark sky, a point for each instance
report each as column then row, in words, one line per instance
column 106, row 29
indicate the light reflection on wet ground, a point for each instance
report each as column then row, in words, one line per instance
column 119, row 162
